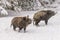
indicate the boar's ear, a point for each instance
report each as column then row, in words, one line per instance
column 24, row 18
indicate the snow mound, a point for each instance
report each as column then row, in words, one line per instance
column 3, row 11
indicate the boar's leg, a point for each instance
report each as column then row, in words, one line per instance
column 36, row 23
column 46, row 21
column 25, row 29
column 14, row 27
column 20, row 28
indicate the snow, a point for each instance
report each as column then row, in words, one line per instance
column 17, row 9
column 3, row 11
column 5, row 2
column 41, row 32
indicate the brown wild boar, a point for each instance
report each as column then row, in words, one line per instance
column 20, row 22
column 43, row 15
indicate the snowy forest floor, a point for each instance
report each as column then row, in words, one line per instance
column 42, row 32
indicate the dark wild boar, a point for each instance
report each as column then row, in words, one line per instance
column 43, row 15
column 20, row 22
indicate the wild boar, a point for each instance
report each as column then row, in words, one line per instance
column 20, row 22
column 43, row 15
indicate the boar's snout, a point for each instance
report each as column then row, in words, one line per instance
column 53, row 13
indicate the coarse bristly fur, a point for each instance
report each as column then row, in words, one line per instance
column 43, row 15
column 20, row 22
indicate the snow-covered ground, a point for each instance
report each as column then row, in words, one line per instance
column 42, row 32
